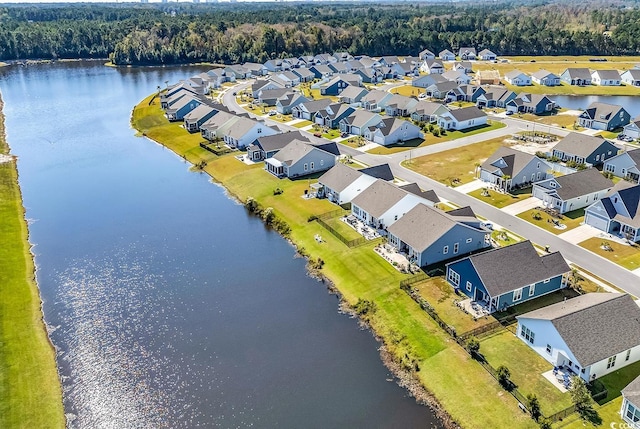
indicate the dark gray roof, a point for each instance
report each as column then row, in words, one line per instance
column 278, row 141
column 595, row 326
column 632, row 392
column 423, row 225
column 294, row 151
column 467, row 113
column 581, row 183
column 414, row 189
column 608, row 74
column 579, row 73
column 580, row 144
column 382, row 171
column 339, row 177
column 317, row 105
column 506, row 269
column 274, row 94
column 331, row 147
column 515, row 161
column 601, row 111
column 462, row 211
column 378, row 198
column 629, row 194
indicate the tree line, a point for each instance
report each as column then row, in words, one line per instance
column 174, row 33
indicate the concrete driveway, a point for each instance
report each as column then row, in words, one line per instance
column 522, row 206
column 580, row 234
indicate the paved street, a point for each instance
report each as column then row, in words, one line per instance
column 620, row 277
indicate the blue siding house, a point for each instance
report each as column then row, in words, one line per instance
column 506, row 276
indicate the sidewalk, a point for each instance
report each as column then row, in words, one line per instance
column 522, row 206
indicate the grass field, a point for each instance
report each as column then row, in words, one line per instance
column 409, row 334
column 407, row 90
column 621, row 254
column 430, row 139
column 302, row 124
column 500, row 200
column 457, row 163
column 30, row 391
column 571, row 219
column 558, row 120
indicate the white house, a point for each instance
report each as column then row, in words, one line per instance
column 593, row 334
column 446, row 55
column 625, row 165
column 630, row 410
column 572, row 191
column 546, row 78
column 632, row 129
column 617, row 213
column 461, row 119
column 341, row 183
column 517, row 78
column 245, row 131
column 392, row 130
column 631, row 77
column 487, row 55
column 606, row 77
column 382, row 204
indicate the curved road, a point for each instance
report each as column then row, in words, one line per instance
column 613, row 273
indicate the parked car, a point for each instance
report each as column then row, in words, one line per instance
column 344, row 135
column 620, row 136
column 317, row 134
column 509, row 112
column 273, row 113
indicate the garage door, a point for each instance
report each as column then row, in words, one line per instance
column 596, row 222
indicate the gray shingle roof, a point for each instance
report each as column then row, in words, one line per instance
column 505, row 269
column 579, row 73
column 422, row 226
column 632, row 392
column 414, row 189
column 595, row 326
column 278, row 141
column 467, row 113
column 339, row 177
column 379, row 197
column 541, row 74
column 382, row 171
column 515, row 161
column 601, row 111
column 579, row 144
column 608, row 74
column 317, row 105
column 581, row 183
column 294, row 151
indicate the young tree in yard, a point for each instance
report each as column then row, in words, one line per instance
column 504, row 377
column 534, row 406
column 545, row 424
column 473, row 345
column 582, row 400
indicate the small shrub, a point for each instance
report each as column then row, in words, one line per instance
column 278, row 191
column 541, row 155
column 251, row 204
column 436, row 132
column 504, row 377
column 365, row 307
column 473, row 345
column 311, row 218
column 536, row 216
column 268, row 215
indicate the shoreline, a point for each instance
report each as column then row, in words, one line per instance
column 403, row 377
column 29, row 356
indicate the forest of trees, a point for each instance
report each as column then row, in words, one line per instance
column 172, row 33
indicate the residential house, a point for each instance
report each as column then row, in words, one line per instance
column 632, row 129
column 197, row 117
column 388, row 72
column 427, row 55
column 606, row 77
column 584, row 149
column 181, row 108
column 427, row 80
column 494, row 96
column 304, row 74
column 336, row 85
column 376, row 100
column 174, row 91
column 388, row 60
column 424, row 232
column 274, row 65
column 324, row 59
column 400, row 105
column 321, row 71
column 290, row 78
column 342, row 56
column 332, row 115
column 299, row 159
column 341, row 183
column 309, row 109
column 236, row 71
column 391, row 131
column 287, row 102
column 246, row 131
column 593, row 334
column 216, row 127
column 217, row 77
column 369, row 63
column 383, row 172
column 406, row 69
column 508, row 276
column 359, row 121
column 631, row 77
column 340, row 68
column 256, row 69
column 293, row 63
column 446, row 55
column 382, row 203
column 267, row 146
column 487, row 77
column 167, row 102
column 353, row 95
column 370, row 75
column 509, row 168
column 441, row 90
column 531, row 103
column 487, row 55
column 263, row 85
column 545, row 78
column 457, row 76
column 603, row 116
column 462, row 119
column 624, row 165
column 617, row 213
column 466, row 54
column 576, row 76
column 517, row 78
column 269, row 97
column 464, row 66
column 630, row 410
column 428, row 111
column 432, row 66
column 572, row 191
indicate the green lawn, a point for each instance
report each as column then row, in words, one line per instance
column 302, row 124
column 342, row 228
column 499, row 199
column 571, row 219
column 331, row 134
column 459, row 163
column 407, row 90
column 30, row 391
column 609, row 413
column 505, row 238
column 408, row 333
column 430, row 139
column 618, row 380
column 534, row 304
column 556, row 119
column 621, row 254
column 526, row 368
column 441, row 296
column 611, row 135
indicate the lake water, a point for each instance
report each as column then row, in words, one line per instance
column 630, row 103
column 168, row 305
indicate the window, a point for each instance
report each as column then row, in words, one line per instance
column 632, row 414
column 611, row 362
column 395, row 217
column 455, row 247
column 597, row 157
column 306, row 166
column 532, row 290
column 549, row 348
column 538, row 166
column 454, row 277
column 469, row 240
column 517, row 294
column 312, row 165
column 527, row 334
column 546, row 281
column 321, row 162
column 628, row 355
column 445, row 250
column 259, row 130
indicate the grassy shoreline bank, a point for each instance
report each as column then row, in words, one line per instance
column 411, row 339
column 30, row 390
